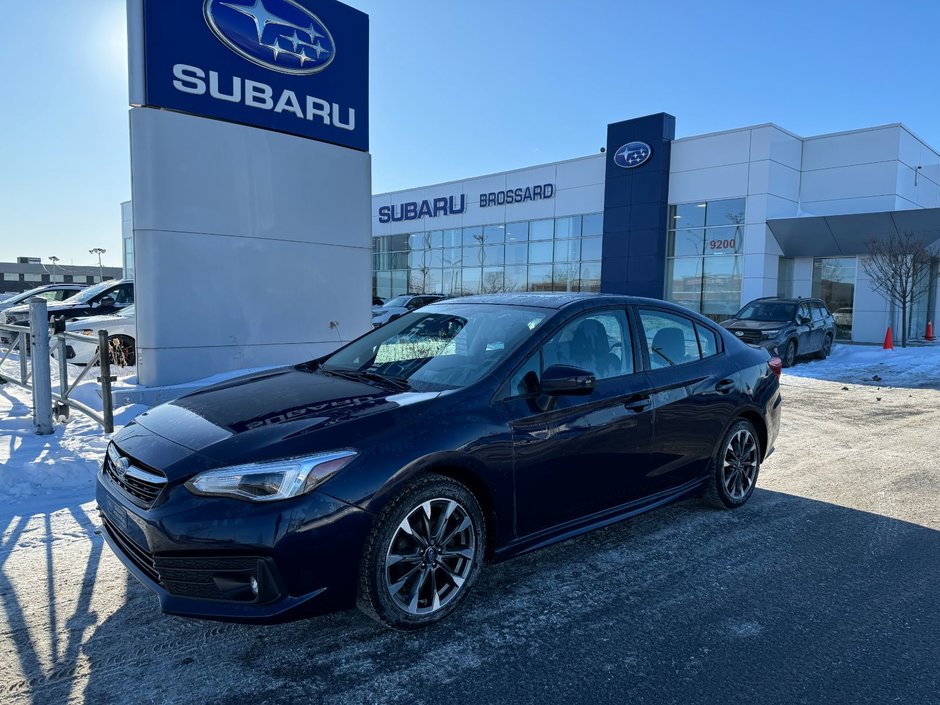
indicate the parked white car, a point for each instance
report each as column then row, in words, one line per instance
column 399, row 306
column 122, row 333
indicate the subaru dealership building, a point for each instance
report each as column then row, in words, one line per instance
column 710, row 221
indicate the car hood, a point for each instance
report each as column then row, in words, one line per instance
column 273, row 414
column 738, row 324
column 52, row 308
column 92, row 321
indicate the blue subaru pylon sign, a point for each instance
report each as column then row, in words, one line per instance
column 295, row 66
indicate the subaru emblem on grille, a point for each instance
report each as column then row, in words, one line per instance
column 121, row 467
column 739, row 333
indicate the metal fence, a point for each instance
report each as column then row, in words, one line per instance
column 32, row 346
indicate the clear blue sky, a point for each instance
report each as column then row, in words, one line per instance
column 465, row 87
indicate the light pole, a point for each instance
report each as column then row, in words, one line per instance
column 53, row 259
column 98, row 251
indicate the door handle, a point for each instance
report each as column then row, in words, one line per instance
column 724, row 386
column 638, row 404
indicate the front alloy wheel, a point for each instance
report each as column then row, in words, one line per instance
column 424, row 554
column 735, row 468
column 789, row 354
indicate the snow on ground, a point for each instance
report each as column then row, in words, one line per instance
column 38, row 470
column 912, row 368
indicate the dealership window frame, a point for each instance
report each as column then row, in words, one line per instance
column 705, row 238
column 525, row 255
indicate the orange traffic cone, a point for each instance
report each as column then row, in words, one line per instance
column 889, row 340
column 929, row 336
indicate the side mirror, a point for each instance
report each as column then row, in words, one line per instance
column 560, row 380
column 108, row 302
column 803, row 320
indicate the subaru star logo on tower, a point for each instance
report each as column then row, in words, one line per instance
column 632, row 154
column 280, row 35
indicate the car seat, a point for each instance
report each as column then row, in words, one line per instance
column 668, row 348
column 590, row 350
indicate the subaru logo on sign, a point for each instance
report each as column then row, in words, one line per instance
column 280, row 35
column 632, row 154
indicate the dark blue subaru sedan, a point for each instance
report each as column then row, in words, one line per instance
column 471, row 430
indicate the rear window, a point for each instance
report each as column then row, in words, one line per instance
column 670, row 339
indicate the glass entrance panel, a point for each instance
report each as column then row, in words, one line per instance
column 834, row 283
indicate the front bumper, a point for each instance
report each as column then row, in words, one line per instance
column 200, row 554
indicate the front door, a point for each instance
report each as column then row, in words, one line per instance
column 575, row 456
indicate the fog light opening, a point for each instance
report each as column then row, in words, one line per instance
column 253, row 583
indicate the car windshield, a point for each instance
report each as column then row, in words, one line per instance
column 767, row 311
column 19, row 298
column 400, row 301
column 85, row 295
column 438, row 347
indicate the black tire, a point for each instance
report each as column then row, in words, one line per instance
column 443, row 577
column 731, row 484
column 789, row 354
column 825, row 349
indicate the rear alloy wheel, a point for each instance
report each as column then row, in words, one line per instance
column 826, row 348
column 789, row 354
column 424, row 554
column 735, row 467
column 123, row 351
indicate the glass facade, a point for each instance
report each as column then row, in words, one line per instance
column 551, row 254
column 704, row 262
column 834, row 283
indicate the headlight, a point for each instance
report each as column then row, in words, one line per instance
column 268, row 482
column 376, row 314
column 88, row 331
column 772, row 333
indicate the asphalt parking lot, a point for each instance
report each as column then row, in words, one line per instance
column 823, row 589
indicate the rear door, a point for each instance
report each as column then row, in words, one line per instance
column 694, row 394
column 817, row 327
column 575, row 456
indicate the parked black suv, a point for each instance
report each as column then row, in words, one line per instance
column 788, row 328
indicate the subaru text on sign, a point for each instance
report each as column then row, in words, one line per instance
column 295, row 66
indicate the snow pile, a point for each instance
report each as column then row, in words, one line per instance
column 63, row 465
column 913, row 368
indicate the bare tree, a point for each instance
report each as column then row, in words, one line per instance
column 898, row 268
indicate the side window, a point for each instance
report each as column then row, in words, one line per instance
column 670, row 339
column 803, row 312
column 124, row 294
column 819, row 313
column 596, row 342
column 526, row 379
column 49, row 295
column 707, row 341
column 63, row 294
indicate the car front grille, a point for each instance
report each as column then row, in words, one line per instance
column 138, row 556
column 208, row 578
column 748, row 336
column 141, row 485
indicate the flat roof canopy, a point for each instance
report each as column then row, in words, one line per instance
column 830, row 235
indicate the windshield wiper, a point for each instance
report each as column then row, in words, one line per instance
column 357, row 375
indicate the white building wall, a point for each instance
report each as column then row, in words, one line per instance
column 579, row 188
column 759, row 163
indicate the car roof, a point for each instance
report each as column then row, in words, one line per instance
column 788, row 300
column 553, row 300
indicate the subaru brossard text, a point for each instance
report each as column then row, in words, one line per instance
column 470, row 430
